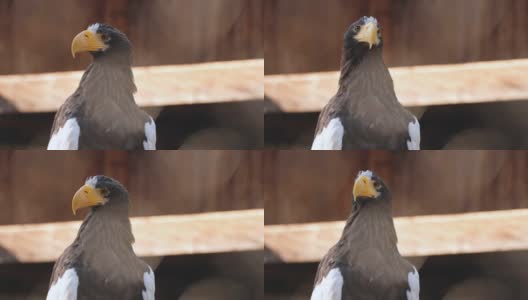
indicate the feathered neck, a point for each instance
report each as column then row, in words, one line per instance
column 104, row 242
column 371, row 224
column 368, row 67
column 106, row 228
column 366, row 80
column 109, row 77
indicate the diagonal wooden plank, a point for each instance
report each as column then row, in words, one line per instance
column 157, row 85
column 418, row 236
column 155, row 236
column 415, row 86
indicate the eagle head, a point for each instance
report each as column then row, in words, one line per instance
column 362, row 37
column 100, row 40
column 99, row 191
column 368, row 186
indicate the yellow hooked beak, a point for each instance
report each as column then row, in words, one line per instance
column 368, row 34
column 87, row 41
column 364, row 187
column 86, row 196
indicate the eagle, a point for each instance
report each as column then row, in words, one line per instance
column 365, row 263
column 100, row 263
column 365, row 113
column 102, row 112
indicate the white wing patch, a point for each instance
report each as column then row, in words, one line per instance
column 150, row 134
column 413, row 293
column 414, row 134
column 330, row 287
column 67, row 137
column 65, row 288
column 331, row 137
column 150, row 285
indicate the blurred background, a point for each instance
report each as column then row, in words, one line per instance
column 203, row 85
column 476, row 106
column 209, row 201
column 461, row 218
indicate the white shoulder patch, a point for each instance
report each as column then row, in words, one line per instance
column 65, row 288
column 330, row 288
column 150, row 285
column 414, row 134
column 331, row 137
column 150, row 135
column 413, row 293
column 67, row 137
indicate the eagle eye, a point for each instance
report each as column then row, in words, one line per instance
column 105, row 192
column 105, row 37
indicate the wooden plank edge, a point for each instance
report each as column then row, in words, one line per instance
column 481, row 232
column 217, row 232
column 19, row 91
column 321, row 86
column 183, row 68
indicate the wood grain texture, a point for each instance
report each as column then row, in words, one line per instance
column 155, row 236
column 38, row 35
column 37, row 186
column 414, row 86
column 306, row 36
column 116, row 13
column 311, row 186
column 157, row 86
column 195, row 181
column 5, row 31
column 493, row 231
column 6, row 188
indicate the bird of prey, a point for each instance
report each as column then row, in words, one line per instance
column 102, row 112
column 365, row 113
column 365, row 263
column 100, row 263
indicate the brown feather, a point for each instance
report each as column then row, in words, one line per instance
column 103, row 257
column 367, row 106
column 367, row 255
column 104, row 106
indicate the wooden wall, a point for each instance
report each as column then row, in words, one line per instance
column 306, row 35
column 302, row 186
column 37, row 186
column 35, row 36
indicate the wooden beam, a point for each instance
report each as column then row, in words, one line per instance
column 418, row 236
column 155, row 236
column 157, row 85
column 415, row 86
